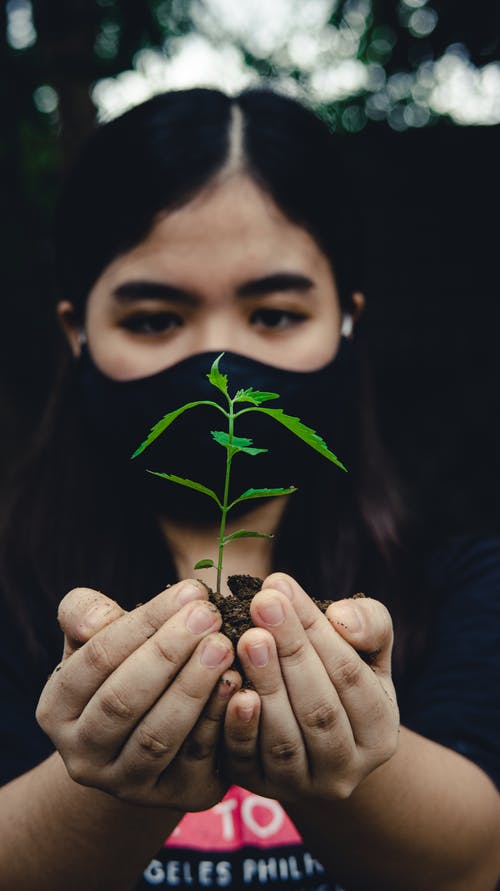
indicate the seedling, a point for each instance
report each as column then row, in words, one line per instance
column 234, row 445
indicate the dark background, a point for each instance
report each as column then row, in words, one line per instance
column 430, row 201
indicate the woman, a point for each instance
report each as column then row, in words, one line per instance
column 193, row 225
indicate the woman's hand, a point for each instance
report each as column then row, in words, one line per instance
column 136, row 706
column 319, row 719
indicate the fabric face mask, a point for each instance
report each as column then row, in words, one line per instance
column 120, row 414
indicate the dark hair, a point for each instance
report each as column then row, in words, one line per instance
column 56, row 533
column 161, row 153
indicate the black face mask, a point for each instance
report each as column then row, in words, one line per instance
column 120, row 414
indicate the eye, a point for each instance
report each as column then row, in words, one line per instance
column 277, row 319
column 151, row 323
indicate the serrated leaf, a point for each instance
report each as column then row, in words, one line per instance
column 216, row 378
column 168, row 419
column 254, row 396
column 243, row 533
column 238, row 443
column 222, row 438
column 265, row 493
column 306, row 434
column 189, row 484
column 204, row 564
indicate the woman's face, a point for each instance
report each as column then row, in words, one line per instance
column 227, row 271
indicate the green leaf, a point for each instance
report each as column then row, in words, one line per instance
column 264, row 493
column 254, row 396
column 189, row 484
column 168, row 419
column 238, row 443
column 216, row 378
column 306, row 434
column 204, row 564
column 242, row 533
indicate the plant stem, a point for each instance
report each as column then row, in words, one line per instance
column 225, row 499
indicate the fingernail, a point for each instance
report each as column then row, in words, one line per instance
column 271, row 612
column 245, row 712
column 187, row 593
column 96, row 615
column 348, row 616
column 226, row 689
column 213, row 654
column 202, row 618
column 258, row 654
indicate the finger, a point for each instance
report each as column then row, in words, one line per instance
column 92, row 663
column 369, row 700
column 82, row 612
column 241, row 762
column 159, row 736
column 366, row 624
column 202, row 743
column 282, row 752
column 132, row 688
column 315, row 701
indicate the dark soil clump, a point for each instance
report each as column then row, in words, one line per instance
column 235, row 610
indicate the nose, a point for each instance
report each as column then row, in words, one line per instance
column 218, row 335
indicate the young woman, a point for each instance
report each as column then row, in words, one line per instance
column 194, row 225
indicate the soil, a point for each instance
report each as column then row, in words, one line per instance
column 235, row 610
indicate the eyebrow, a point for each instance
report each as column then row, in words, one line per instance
column 150, row 290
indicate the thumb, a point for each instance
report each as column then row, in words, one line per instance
column 83, row 612
column 366, row 625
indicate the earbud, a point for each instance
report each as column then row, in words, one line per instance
column 82, row 337
column 347, row 326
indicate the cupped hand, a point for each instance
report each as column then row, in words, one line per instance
column 319, row 718
column 136, row 706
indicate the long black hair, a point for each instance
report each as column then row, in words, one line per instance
column 67, row 519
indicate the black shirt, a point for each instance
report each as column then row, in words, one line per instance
column 454, row 700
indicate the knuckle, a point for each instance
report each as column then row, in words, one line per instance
column 242, row 743
column 294, row 652
column 211, row 719
column 313, row 622
column 86, row 735
column 42, row 714
column 323, row 718
column 162, row 649
column 114, row 705
column 283, row 753
column 97, row 656
column 151, row 747
column 240, row 760
column 150, row 620
column 343, row 788
column 195, row 692
column 78, row 769
column 195, row 749
column 349, row 672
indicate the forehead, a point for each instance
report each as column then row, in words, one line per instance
column 229, row 221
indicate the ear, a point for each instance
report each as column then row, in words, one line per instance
column 72, row 329
column 358, row 304
column 351, row 317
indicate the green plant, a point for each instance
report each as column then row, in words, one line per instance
column 233, row 445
